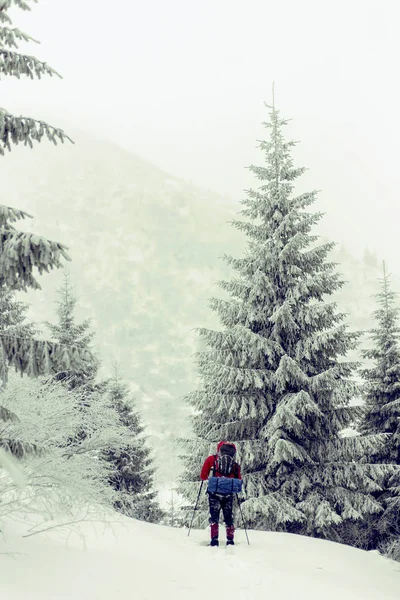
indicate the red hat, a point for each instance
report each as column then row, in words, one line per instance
column 224, row 442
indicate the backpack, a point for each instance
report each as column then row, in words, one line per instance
column 224, row 486
column 225, row 462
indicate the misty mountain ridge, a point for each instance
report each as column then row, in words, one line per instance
column 145, row 249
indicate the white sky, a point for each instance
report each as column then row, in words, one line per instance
column 182, row 83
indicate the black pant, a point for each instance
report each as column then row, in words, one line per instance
column 217, row 502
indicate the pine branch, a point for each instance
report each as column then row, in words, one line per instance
column 38, row 357
column 23, row 4
column 15, row 64
column 6, row 4
column 9, row 37
column 9, row 214
column 20, row 449
column 356, row 448
column 20, row 252
column 25, row 129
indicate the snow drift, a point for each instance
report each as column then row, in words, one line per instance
column 133, row 559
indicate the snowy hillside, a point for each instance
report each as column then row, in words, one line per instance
column 150, row 562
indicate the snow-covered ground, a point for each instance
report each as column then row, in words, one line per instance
column 149, row 562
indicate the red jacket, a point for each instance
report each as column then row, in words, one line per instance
column 209, row 464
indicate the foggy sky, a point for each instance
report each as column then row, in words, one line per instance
column 182, row 83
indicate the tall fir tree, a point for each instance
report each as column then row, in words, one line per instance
column 70, row 334
column 382, row 397
column 275, row 379
column 133, row 472
column 81, row 372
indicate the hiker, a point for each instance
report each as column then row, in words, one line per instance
column 221, row 464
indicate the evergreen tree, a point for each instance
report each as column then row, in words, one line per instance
column 275, row 378
column 81, row 372
column 382, row 380
column 133, row 474
column 70, row 334
column 382, row 396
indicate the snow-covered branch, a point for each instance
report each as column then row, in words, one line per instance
column 67, row 474
column 15, row 130
column 15, row 64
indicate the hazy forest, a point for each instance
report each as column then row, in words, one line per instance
column 146, row 315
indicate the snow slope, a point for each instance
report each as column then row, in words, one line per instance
column 149, row 562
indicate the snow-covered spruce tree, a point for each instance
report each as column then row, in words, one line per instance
column 275, row 380
column 382, row 398
column 70, row 334
column 132, row 475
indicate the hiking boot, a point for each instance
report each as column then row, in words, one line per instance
column 214, row 542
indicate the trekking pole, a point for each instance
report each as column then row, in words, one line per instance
column 241, row 514
column 195, row 507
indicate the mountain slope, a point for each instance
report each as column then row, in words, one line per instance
column 139, row 560
column 145, row 251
